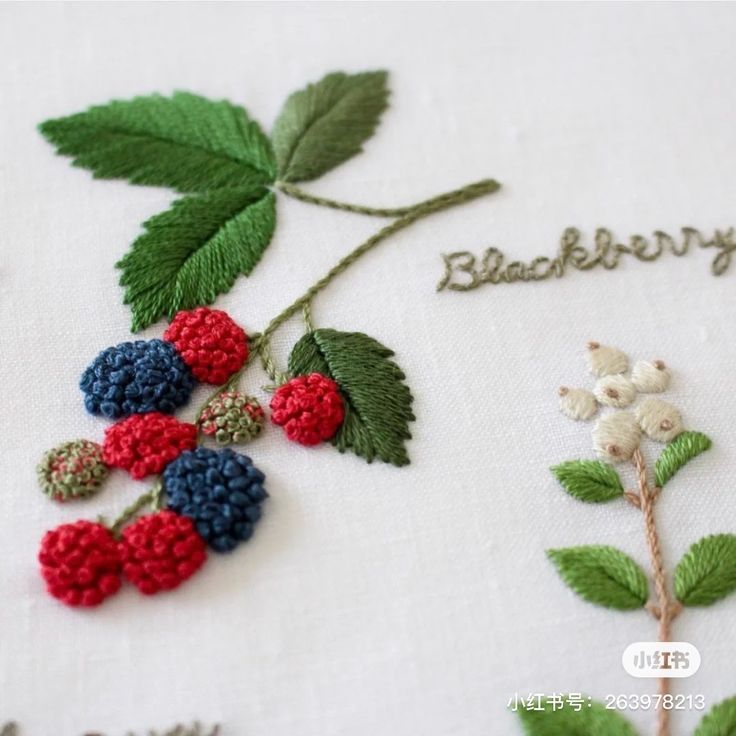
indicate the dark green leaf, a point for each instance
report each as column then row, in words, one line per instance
column 593, row 720
column 377, row 402
column 195, row 251
column 720, row 720
column 589, row 480
column 681, row 450
column 185, row 142
column 602, row 575
column 327, row 123
column 707, row 572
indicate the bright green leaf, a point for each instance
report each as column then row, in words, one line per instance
column 681, row 450
column 591, row 720
column 185, row 142
column 377, row 401
column 589, row 480
column 327, row 123
column 707, row 572
column 720, row 720
column 194, row 251
column 602, row 575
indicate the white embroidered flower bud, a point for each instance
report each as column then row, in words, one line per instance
column 650, row 377
column 616, row 391
column 659, row 420
column 577, row 403
column 606, row 361
column 616, row 436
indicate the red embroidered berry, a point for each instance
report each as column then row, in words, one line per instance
column 209, row 342
column 309, row 408
column 144, row 444
column 161, row 551
column 80, row 563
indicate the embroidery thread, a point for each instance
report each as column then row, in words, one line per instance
column 608, row 577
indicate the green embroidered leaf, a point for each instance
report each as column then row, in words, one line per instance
column 589, row 480
column 596, row 720
column 720, row 720
column 707, row 572
column 681, row 450
column 602, row 575
column 377, row 402
column 185, row 142
column 194, row 251
column 325, row 124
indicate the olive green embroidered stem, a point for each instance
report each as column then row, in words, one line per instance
column 665, row 610
column 153, row 498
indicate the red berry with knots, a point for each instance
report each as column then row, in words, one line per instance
column 144, row 444
column 161, row 551
column 209, row 342
column 309, row 408
column 80, row 563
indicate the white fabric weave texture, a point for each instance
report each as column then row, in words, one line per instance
column 374, row 599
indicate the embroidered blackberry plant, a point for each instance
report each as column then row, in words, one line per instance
column 341, row 387
column 609, row 577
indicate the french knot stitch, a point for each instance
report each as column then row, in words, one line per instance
column 210, row 343
column 161, row 551
column 136, row 378
column 144, row 444
column 72, row 470
column 220, row 490
column 309, row 408
column 80, row 563
column 232, row 418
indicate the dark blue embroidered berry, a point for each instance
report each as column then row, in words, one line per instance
column 135, row 378
column 220, row 490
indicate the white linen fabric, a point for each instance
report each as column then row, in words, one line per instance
column 374, row 599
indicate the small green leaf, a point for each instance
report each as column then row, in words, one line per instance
column 589, row 480
column 377, row 401
column 602, row 575
column 680, row 451
column 707, row 572
column 327, row 123
column 194, row 251
column 185, row 142
column 720, row 720
column 592, row 719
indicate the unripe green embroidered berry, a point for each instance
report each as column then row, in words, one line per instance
column 232, row 418
column 72, row 470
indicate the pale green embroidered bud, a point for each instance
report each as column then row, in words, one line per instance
column 577, row 403
column 617, row 391
column 659, row 420
column 650, row 377
column 232, row 418
column 616, row 436
column 72, row 470
column 606, row 361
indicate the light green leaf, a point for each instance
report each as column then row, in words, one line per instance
column 681, row 450
column 194, row 251
column 707, row 572
column 589, row 480
column 377, row 401
column 602, row 575
column 720, row 720
column 185, row 142
column 593, row 720
column 327, row 123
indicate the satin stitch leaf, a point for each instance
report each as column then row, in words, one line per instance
column 589, row 480
column 593, row 720
column 679, row 452
column 707, row 572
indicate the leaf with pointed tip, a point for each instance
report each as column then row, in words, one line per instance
column 327, row 123
column 720, row 720
column 589, row 480
column 592, row 719
column 185, row 142
column 194, row 251
column 707, row 571
column 602, row 575
column 377, row 401
column 680, row 451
